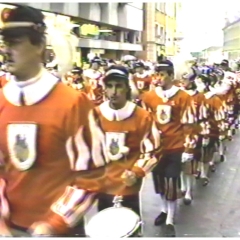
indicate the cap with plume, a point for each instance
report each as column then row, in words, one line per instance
column 184, row 67
column 138, row 65
column 116, row 72
column 104, row 62
column 96, row 60
column 164, row 65
column 224, row 62
column 77, row 70
column 23, row 20
column 206, row 71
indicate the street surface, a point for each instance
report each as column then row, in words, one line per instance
column 215, row 210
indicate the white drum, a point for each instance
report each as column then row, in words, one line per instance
column 114, row 222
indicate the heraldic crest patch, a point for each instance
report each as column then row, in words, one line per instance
column 22, row 147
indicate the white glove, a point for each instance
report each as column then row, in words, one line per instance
column 187, row 157
column 129, row 178
column 221, row 137
column 41, row 229
column 205, row 142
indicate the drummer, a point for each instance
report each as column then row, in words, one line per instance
column 78, row 81
column 126, row 139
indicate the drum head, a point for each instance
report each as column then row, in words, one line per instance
column 113, row 223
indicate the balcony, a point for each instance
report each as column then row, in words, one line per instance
column 160, row 40
column 178, row 36
column 104, row 44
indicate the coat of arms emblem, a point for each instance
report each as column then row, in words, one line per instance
column 140, row 85
column 114, row 142
column 22, row 144
column 114, row 147
column 164, row 113
column 21, row 148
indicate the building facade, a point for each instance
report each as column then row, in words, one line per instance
column 213, row 54
column 231, row 42
column 106, row 29
column 161, row 32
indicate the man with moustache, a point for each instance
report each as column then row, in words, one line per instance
column 46, row 182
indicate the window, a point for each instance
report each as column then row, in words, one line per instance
column 158, row 6
column 156, row 29
column 162, row 7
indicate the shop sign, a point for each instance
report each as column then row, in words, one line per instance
column 89, row 30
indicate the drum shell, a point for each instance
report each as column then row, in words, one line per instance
column 110, row 215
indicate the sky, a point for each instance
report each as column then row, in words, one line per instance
column 202, row 23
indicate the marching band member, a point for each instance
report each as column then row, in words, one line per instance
column 93, row 80
column 104, row 66
column 173, row 111
column 188, row 85
column 46, row 181
column 78, row 81
column 126, row 138
column 141, row 78
column 230, row 95
column 215, row 125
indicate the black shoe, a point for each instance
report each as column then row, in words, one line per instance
column 198, row 175
column 222, row 158
column 187, row 201
column 205, row 181
column 170, row 231
column 213, row 168
column 160, row 219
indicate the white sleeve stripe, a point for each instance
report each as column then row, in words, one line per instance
column 146, row 165
column 156, row 135
column 72, row 216
column 84, row 157
column 70, row 152
column 150, row 164
column 4, row 210
column 66, row 198
column 98, row 142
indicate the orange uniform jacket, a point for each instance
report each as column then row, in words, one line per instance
column 125, row 139
column 175, row 118
column 142, row 81
column 46, row 148
column 200, row 111
column 217, row 124
column 94, row 86
column 4, row 78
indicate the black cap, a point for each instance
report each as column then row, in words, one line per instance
column 190, row 75
column 104, row 62
column 224, row 62
column 112, row 61
column 138, row 65
column 96, row 60
column 22, row 19
column 116, row 72
column 164, row 66
column 77, row 70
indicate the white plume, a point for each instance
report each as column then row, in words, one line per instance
column 182, row 65
column 64, row 47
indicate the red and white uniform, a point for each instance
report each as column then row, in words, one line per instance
column 94, row 85
column 4, row 78
column 174, row 113
column 142, row 81
column 125, row 139
column 46, row 147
